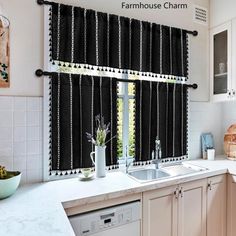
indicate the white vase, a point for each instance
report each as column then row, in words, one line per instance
column 100, row 160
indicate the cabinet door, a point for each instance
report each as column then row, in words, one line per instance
column 220, row 52
column 216, row 206
column 160, row 212
column 192, row 209
column 231, row 206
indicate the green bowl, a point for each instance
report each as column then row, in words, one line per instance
column 9, row 186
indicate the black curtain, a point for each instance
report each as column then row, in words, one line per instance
column 75, row 101
column 161, row 111
column 94, row 38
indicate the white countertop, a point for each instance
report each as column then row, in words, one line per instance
column 38, row 209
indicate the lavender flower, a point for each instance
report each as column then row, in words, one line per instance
column 101, row 132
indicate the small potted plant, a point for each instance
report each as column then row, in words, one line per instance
column 9, row 182
column 99, row 140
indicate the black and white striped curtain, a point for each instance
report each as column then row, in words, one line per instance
column 161, row 111
column 109, row 41
column 74, row 102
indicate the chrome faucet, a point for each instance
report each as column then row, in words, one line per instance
column 127, row 163
column 156, row 155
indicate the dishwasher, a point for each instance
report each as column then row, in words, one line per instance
column 118, row 220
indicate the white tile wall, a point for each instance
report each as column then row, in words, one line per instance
column 204, row 117
column 21, row 132
column 229, row 115
column 21, row 136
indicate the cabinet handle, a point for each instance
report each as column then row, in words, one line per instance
column 209, row 185
column 176, row 193
column 181, row 192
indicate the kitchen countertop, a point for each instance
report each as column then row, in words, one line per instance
column 38, row 209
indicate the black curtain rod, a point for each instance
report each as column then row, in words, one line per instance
column 42, row 2
column 40, row 73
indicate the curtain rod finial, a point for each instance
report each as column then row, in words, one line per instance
column 39, row 72
column 195, row 86
column 195, row 33
column 40, row 2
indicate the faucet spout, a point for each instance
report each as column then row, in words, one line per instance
column 157, row 159
column 127, row 165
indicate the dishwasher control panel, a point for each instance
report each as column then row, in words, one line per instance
column 100, row 220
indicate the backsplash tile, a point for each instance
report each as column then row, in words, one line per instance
column 229, row 115
column 21, row 136
column 6, row 118
column 204, row 117
column 19, row 118
column 19, row 104
column 6, row 133
column 6, row 103
column 6, row 148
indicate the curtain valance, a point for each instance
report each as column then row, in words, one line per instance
column 87, row 37
column 75, row 100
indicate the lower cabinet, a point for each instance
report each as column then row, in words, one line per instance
column 160, row 212
column 195, row 208
column 216, row 206
column 176, row 211
column 231, row 206
column 192, row 209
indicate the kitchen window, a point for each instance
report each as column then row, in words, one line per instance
column 126, row 126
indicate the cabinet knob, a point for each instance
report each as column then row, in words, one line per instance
column 181, row 192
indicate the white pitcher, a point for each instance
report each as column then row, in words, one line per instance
column 100, row 160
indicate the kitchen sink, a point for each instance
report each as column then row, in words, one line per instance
column 172, row 170
column 148, row 174
column 182, row 169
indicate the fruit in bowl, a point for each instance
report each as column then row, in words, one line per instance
column 9, row 182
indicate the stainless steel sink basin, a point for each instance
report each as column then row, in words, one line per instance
column 151, row 174
column 182, row 169
column 148, row 174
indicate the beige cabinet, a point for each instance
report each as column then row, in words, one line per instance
column 216, row 206
column 160, row 212
column 192, row 209
column 231, row 206
column 175, row 211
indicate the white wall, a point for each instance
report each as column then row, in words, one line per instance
column 228, row 115
column 26, row 46
column 27, row 39
column 221, row 11
column 204, row 118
